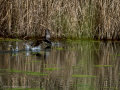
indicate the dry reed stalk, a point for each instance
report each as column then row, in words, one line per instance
column 33, row 16
column 109, row 15
column 73, row 18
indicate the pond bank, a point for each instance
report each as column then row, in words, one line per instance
column 29, row 38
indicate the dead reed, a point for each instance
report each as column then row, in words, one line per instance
column 108, row 19
column 65, row 18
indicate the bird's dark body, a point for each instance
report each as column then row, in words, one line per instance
column 48, row 41
column 36, row 43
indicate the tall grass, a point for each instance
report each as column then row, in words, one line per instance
column 65, row 18
column 108, row 19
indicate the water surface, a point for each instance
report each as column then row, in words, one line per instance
column 70, row 65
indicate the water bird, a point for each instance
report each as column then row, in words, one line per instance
column 47, row 39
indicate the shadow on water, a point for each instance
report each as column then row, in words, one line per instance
column 71, row 65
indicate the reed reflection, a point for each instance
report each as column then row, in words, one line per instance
column 74, row 65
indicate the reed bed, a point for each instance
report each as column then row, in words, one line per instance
column 65, row 18
column 108, row 19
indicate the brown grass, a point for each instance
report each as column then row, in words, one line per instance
column 73, row 18
column 108, row 19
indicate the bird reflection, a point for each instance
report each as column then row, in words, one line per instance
column 44, row 55
column 47, row 52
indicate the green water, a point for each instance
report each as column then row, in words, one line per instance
column 72, row 65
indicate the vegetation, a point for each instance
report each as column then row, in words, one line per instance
column 65, row 18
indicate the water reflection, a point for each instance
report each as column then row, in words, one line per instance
column 73, row 65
